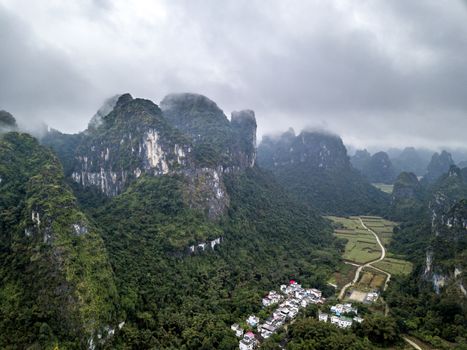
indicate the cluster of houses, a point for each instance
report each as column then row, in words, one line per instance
column 289, row 301
column 202, row 246
column 338, row 316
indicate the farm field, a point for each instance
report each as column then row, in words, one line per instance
column 383, row 228
column 361, row 246
column 344, row 275
column 384, row 187
column 370, row 280
column 394, row 266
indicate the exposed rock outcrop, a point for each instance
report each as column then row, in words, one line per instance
column 129, row 138
column 447, row 255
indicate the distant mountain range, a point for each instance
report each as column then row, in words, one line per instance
column 315, row 167
column 385, row 166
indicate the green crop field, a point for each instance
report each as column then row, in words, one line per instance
column 394, row 266
column 361, row 246
column 383, row 228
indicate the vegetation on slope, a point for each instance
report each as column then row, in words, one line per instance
column 174, row 299
column 57, row 285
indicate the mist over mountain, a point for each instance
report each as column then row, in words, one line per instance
column 316, row 168
column 439, row 165
column 7, row 122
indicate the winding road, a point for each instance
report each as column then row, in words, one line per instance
column 368, row 264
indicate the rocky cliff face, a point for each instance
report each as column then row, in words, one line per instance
column 446, row 256
column 133, row 139
column 190, row 136
column 217, row 141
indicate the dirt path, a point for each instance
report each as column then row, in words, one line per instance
column 368, row 264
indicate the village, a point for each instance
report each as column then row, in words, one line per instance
column 289, row 301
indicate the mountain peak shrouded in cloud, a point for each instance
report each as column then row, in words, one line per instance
column 377, row 73
column 7, row 121
column 107, row 107
column 439, row 165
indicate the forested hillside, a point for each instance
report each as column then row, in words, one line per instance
column 57, row 284
column 315, row 168
column 432, row 302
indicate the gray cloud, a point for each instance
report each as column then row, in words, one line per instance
column 378, row 73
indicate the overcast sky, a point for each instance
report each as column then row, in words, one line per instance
column 384, row 73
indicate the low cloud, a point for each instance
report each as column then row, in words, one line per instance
column 378, row 73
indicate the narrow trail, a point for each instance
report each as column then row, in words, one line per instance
column 368, row 264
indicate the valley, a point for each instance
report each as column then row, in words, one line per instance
column 367, row 238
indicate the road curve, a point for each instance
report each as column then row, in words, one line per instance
column 368, row 264
column 360, row 268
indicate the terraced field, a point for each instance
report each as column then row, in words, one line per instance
column 371, row 280
column 383, row 228
column 374, row 265
column 361, row 245
column 395, row 266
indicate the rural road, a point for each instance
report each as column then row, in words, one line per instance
column 361, row 267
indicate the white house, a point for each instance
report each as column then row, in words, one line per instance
column 252, row 320
column 248, row 342
column 345, row 322
column 237, row 329
column 266, row 330
column 323, row 317
column 335, row 320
